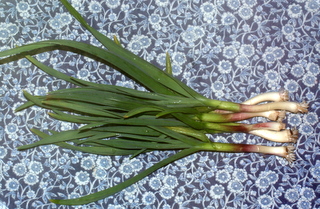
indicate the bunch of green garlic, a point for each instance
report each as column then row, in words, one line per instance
column 169, row 116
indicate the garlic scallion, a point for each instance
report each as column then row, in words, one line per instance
column 169, row 116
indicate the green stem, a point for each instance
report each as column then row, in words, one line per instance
column 221, row 105
column 233, row 117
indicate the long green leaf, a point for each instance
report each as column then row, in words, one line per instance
column 59, row 137
column 36, row 100
column 51, row 71
column 145, row 121
column 92, row 150
column 24, row 106
column 141, row 144
column 110, row 191
column 134, row 70
column 106, row 151
column 145, row 67
column 191, row 132
column 79, row 118
column 76, row 107
column 138, row 130
column 166, row 139
column 142, row 109
column 183, row 138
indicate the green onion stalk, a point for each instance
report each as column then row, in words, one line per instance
column 168, row 116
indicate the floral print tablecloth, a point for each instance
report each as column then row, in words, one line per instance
column 225, row 49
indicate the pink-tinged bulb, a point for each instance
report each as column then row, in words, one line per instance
column 273, row 126
column 284, row 136
column 286, row 152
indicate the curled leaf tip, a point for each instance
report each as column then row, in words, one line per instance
column 116, row 40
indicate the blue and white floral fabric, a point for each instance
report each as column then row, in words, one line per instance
column 225, row 49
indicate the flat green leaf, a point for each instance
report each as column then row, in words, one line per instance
column 92, row 150
column 25, row 106
column 183, row 138
column 135, row 70
column 117, row 188
column 59, row 137
column 36, row 100
column 51, row 71
column 106, row 151
column 145, row 67
column 76, row 107
column 138, row 145
column 138, row 130
column 177, row 110
column 198, row 134
column 140, row 110
column 77, row 118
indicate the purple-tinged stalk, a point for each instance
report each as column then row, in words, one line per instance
column 286, row 152
column 268, row 126
column 284, row 136
column 241, row 127
column 233, row 117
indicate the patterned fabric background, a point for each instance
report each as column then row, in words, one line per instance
column 225, row 49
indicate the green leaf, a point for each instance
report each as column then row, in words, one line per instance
column 183, row 138
column 139, row 144
column 24, row 106
column 92, row 150
column 59, row 137
column 138, row 130
column 140, row 110
column 138, row 153
column 117, row 61
column 146, row 67
column 106, row 151
column 77, row 118
column 51, row 71
column 198, row 134
column 177, row 110
column 78, row 108
column 36, row 100
column 110, row 191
